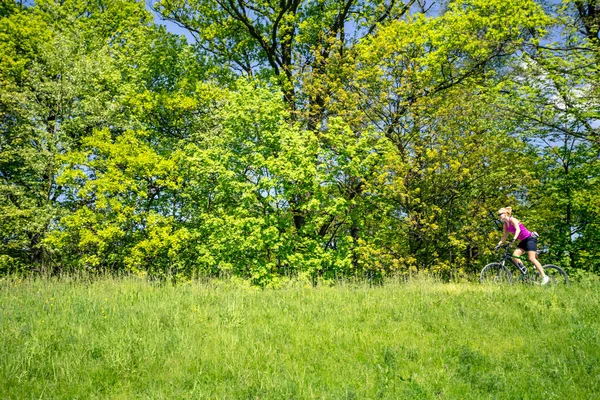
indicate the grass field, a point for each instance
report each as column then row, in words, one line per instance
column 125, row 339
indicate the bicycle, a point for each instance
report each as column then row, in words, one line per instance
column 498, row 273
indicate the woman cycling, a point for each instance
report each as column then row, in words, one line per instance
column 527, row 243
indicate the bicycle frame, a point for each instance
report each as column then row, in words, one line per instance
column 507, row 256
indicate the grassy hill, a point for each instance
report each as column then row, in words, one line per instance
column 124, row 338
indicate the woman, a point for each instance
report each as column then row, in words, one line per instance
column 527, row 243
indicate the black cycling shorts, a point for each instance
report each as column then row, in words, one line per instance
column 528, row 244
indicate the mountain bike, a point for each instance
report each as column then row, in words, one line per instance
column 498, row 272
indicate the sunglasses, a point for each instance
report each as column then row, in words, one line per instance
column 501, row 214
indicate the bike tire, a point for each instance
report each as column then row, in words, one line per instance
column 496, row 273
column 556, row 274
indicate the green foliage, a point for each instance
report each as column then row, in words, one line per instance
column 321, row 140
column 428, row 86
column 63, row 76
column 122, row 218
column 553, row 94
column 241, row 177
column 567, row 205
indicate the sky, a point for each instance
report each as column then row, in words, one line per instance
column 171, row 26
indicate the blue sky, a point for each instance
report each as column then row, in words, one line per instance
column 171, row 27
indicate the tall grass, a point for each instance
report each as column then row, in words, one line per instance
column 125, row 338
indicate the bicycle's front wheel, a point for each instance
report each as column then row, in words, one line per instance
column 556, row 274
column 496, row 273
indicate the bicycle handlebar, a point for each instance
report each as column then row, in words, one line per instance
column 503, row 246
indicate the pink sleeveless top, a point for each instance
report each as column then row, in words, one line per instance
column 524, row 234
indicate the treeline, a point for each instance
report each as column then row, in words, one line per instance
column 321, row 139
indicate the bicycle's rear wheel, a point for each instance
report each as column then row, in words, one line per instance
column 556, row 274
column 496, row 273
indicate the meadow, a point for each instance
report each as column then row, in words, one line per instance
column 128, row 338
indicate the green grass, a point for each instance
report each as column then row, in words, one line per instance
column 130, row 339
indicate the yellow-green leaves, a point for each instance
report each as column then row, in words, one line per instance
column 313, row 138
column 120, row 185
column 420, row 56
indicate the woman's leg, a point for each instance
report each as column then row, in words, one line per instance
column 531, row 255
column 517, row 253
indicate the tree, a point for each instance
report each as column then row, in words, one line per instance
column 59, row 82
column 553, row 93
column 281, row 39
column 428, row 86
